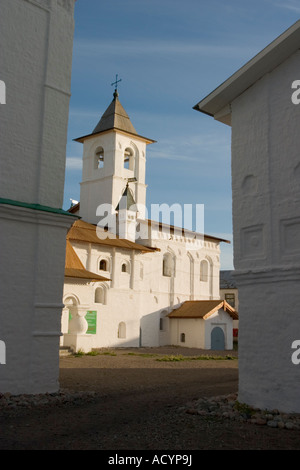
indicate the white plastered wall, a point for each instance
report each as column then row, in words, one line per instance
column 265, row 177
column 36, row 58
column 141, row 296
column 106, row 185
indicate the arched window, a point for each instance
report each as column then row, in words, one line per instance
column 168, row 265
column 99, row 158
column 182, row 337
column 204, row 270
column 125, row 268
column 100, row 295
column 122, row 330
column 103, row 265
column 129, row 159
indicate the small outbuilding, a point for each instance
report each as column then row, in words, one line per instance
column 203, row 324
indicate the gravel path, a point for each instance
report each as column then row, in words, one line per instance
column 129, row 400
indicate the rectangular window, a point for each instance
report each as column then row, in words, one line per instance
column 230, row 299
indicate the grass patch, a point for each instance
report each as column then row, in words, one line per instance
column 158, row 357
column 79, row 353
column 172, row 358
column 179, row 357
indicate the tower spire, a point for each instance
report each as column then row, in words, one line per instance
column 116, row 94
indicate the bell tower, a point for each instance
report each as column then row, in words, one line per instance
column 112, row 154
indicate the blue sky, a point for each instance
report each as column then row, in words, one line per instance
column 169, row 54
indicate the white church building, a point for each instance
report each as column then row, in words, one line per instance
column 125, row 273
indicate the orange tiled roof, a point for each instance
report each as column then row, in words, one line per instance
column 85, row 232
column 202, row 309
column 75, row 268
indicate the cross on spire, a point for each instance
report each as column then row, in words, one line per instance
column 116, row 84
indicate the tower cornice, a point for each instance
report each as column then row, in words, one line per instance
column 117, row 131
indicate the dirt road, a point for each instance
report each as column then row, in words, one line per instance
column 140, row 404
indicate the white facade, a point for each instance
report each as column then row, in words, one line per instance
column 141, row 295
column 36, row 54
column 257, row 103
column 131, row 307
column 267, row 240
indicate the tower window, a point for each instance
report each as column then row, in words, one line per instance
column 128, row 159
column 99, row 158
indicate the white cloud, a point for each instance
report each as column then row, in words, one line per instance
column 292, row 5
column 144, row 47
column 73, row 163
column 167, row 155
column 191, row 148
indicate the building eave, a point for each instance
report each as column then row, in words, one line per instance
column 83, row 232
column 115, row 129
column 217, row 103
column 182, row 231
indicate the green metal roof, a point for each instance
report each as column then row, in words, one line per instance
column 38, row 207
